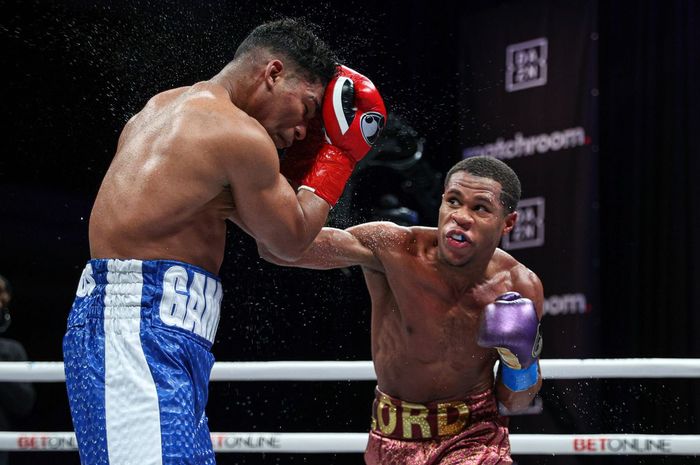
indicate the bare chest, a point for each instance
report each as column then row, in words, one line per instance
column 435, row 314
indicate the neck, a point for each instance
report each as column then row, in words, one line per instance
column 465, row 276
column 239, row 84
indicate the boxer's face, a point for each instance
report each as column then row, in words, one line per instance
column 471, row 220
column 293, row 101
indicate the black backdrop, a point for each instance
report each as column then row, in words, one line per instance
column 529, row 97
column 74, row 72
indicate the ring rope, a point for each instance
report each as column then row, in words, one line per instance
column 521, row 444
column 530, row 444
column 364, row 370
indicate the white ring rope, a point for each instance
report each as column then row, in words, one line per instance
column 364, row 371
column 521, row 444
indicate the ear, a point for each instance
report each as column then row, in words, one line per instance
column 273, row 70
column 511, row 219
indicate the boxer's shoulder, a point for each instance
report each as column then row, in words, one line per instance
column 210, row 106
column 382, row 235
column 519, row 277
column 503, row 261
column 166, row 97
column 519, row 273
column 423, row 233
column 407, row 242
column 209, row 118
column 202, row 103
column 506, row 267
column 423, row 239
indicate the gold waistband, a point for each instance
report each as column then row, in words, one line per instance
column 398, row 419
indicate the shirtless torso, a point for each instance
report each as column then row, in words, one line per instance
column 181, row 165
column 429, row 287
column 163, row 196
column 424, row 320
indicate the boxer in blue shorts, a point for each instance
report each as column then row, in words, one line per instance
column 137, row 349
column 137, row 360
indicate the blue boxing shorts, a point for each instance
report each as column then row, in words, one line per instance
column 137, row 361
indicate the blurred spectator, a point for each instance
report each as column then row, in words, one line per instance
column 16, row 399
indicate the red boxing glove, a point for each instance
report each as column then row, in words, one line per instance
column 353, row 116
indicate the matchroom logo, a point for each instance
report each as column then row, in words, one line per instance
column 566, row 304
column 529, row 229
column 526, row 64
column 527, row 146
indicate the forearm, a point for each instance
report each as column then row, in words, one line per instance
column 287, row 226
column 325, row 252
column 511, row 326
column 332, row 248
column 516, row 401
column 313, row 214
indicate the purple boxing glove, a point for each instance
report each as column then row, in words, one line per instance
column 510, row 325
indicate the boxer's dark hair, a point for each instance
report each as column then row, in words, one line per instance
column 492, row 168
column 296, row 40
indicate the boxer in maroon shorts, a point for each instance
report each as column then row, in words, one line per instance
column 447, row 303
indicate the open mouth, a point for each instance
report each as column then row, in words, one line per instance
column 458, row 239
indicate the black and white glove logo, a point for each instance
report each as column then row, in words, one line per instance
column 537, row 346
column 371, row 125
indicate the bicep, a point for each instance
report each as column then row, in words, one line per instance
column 267, row 205
column 270, row 209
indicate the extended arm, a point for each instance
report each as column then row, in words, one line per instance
column 336, row 248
